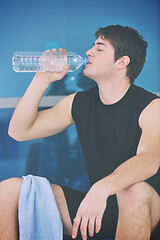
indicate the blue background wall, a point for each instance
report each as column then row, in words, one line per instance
column 41, row 25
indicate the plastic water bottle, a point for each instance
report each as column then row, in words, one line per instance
column 36, row 61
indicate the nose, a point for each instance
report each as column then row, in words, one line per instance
column 90, row 53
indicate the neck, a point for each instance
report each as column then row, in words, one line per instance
column 111, row 92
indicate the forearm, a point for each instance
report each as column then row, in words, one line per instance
column 136, row 169
column 26, row 110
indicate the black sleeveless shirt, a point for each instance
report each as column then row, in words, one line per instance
column 109, row 134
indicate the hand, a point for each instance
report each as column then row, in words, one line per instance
column 90, row 212
column 52, row 76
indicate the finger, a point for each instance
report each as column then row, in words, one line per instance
column 66, row 67
column 54, row 50
column 98, row 223
column 83, row 228
column 60, row 49
column 46, row 52
column 64, row 71
column 60, row 75
column 91, row 226
column 75, row 228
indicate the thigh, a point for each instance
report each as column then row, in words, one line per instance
column 63, row 208
column 9, row 197
column 10, row 191
column 155, row 209
column 154, row 200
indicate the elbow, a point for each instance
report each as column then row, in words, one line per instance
column 13, row 135
column 157, row 168
column 157, row 163
column 154, row 162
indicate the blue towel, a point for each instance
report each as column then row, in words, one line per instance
column 39, row 217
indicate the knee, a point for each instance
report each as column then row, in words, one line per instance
column 10, row 190
column 134, row 195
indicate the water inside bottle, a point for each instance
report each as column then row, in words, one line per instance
column 39, row 61
column 53, row 62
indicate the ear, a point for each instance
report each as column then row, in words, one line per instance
column 123, row 62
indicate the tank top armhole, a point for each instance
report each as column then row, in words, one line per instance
column 73, row 108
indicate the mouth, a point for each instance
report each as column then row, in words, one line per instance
column 88, row 63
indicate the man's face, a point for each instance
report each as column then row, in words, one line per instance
column 101, row 60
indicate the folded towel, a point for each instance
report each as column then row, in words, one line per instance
column 39, row 217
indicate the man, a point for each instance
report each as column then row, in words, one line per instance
column 118, row 127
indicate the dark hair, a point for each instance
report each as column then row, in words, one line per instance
column 126, row 42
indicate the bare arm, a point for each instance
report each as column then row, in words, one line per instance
column 27, row 123
column 147, row 161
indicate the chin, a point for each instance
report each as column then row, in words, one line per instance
column 84, row 72
column 89, row 74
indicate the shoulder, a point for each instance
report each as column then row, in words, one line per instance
column 150, row 114
column 144, row 94
column 66, row 100
column 144, row 102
